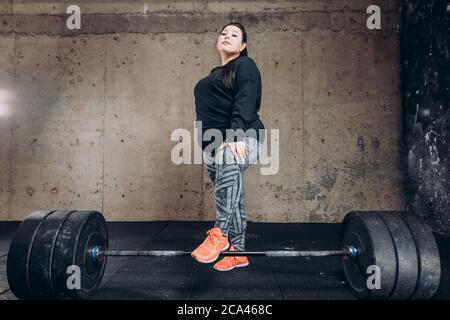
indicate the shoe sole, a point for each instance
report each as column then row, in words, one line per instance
column 236, row 266
column 209, row 261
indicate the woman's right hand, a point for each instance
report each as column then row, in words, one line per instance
column 238, row 149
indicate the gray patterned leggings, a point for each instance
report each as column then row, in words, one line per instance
column 226, row 175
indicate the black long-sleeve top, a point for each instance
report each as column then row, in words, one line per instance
column 234, row 108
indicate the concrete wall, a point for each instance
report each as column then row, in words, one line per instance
column 87, row 114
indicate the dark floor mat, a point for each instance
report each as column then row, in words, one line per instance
column 185, row 278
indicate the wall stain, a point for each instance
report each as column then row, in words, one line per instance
column 310, row 191
column 328, row 180
column 375, row 143
column 360, row 143
column 29, row 191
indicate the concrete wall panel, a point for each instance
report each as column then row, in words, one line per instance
column 7, row 95
column 57, row 155
column 94, row 109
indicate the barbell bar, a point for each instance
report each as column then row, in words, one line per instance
column 97, row 253
column 48, row 243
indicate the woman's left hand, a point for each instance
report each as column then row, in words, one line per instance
column 238, row 149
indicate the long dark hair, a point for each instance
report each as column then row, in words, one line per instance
column 227, row 76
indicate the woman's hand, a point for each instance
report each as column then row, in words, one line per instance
column 238, row 149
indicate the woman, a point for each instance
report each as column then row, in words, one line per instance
column 229, row 98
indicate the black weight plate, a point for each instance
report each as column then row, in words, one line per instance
column 406, row 255
column 428, row 257
column 94, row 233
column 354, row 270
column 81, row 232
column 367, row 232
column 19, row 254
column 42, row 255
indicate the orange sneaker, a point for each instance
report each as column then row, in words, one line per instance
column 210, row 249
column 231, row 262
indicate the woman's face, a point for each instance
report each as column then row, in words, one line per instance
column 230, row 40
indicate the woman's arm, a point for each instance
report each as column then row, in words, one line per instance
column 244, row 107
column 246, row 88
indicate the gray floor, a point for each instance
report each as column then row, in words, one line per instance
column 184, row 278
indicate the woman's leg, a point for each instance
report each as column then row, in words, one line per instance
column 227, row 188
column 238, row 224
column 230, row 211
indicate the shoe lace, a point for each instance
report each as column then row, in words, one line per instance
column 231, row 259
column 212, row 240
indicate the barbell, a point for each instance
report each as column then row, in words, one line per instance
column 396, row 243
